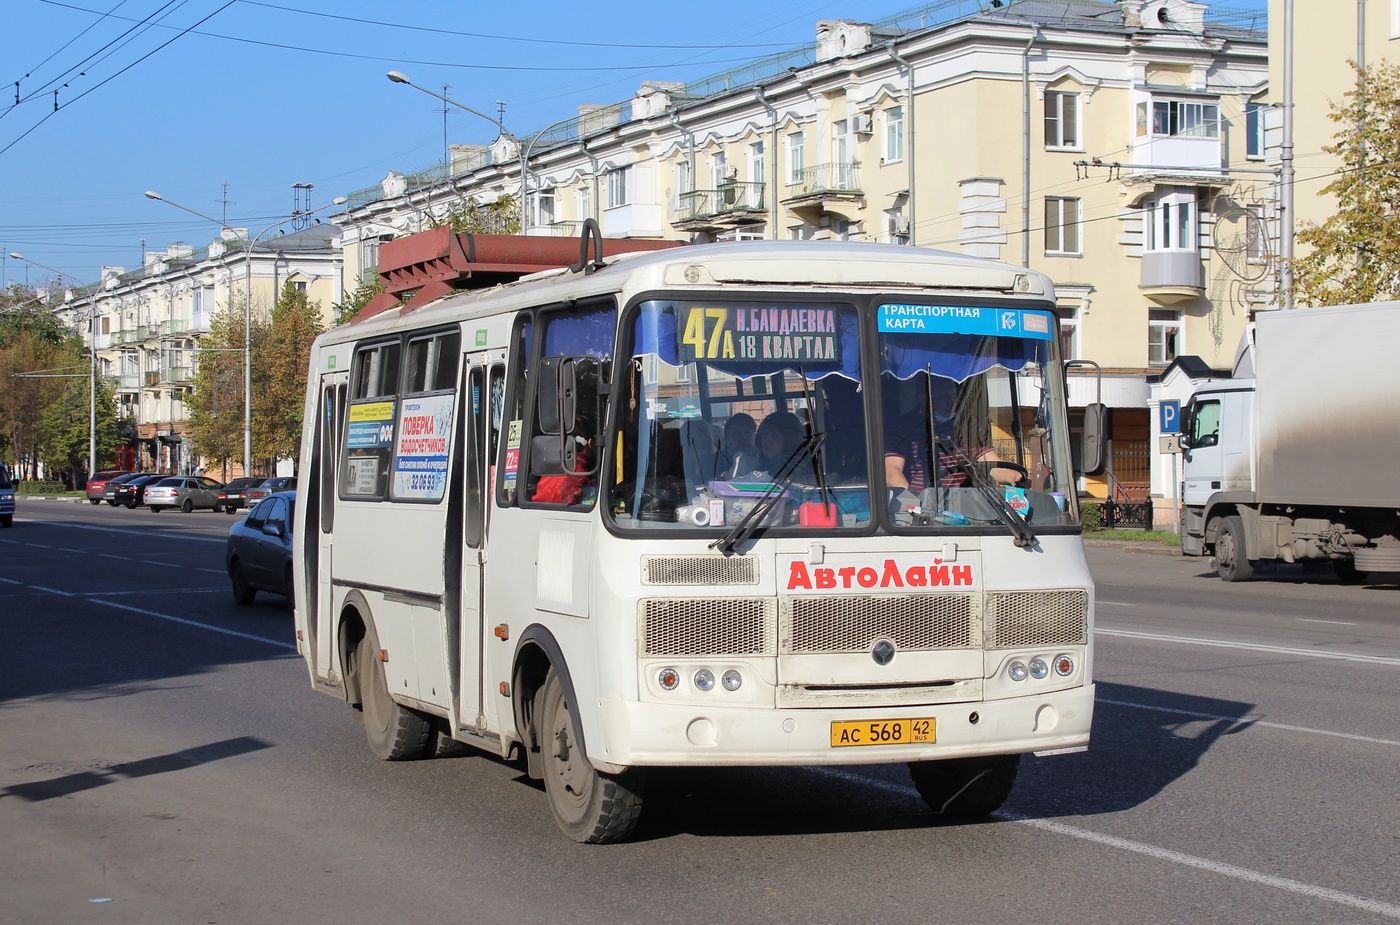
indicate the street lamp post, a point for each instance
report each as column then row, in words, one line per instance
column 92, row 362
column 249, row 242
column 525, row 161
column 399, row 77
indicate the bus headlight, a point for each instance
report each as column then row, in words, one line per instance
column 732, row 680
column 1016, row 671
column 668, row 679
column 705, row 679
column 1039, row 669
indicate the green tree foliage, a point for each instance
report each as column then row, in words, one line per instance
column 344, row 311
column 64, row 426
column 216, row 404
column 499, row 217
column 1355, row 253
column 279, row 375
column 35, row 351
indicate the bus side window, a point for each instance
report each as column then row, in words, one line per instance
column 369, row 431
column 513, row 419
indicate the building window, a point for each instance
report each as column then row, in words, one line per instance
column 756, row 169
column 841, row 142
column 542, row 208
column 585, row 202
column 1069, row 331
column 894, row 134
column 300, row 286
column 619, row 179
column 1061, row 119
column 1169, row 223
column 1061, row 225
column 1163, row 336
column 796, row 160
column 684, row 182
column 719, row 170
column 1180, row 119
column 1254, row 131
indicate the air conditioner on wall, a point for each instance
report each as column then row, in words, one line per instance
column 900, row 225
column 861, row 123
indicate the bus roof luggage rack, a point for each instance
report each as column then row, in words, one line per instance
column 419, row 268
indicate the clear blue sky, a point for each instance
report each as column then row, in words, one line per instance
column 185, row 96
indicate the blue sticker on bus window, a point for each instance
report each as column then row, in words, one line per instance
column 898, row 318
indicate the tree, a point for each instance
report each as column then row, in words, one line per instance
column 34, row 349
column 1355, row 254
column 499, row 217
column 344, row 311
column 64, row 427
column 216, row 403
column 279, row 387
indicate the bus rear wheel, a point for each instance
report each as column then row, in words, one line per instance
column 395, row 732
column 590, row 806
column 965, row 787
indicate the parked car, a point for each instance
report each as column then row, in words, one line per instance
column 109, row 490
column 132, row 492
column 271, row 487
column 234, row 495
column 7, row 497
column 98, row 481
column 259, row 550
column 186, row 492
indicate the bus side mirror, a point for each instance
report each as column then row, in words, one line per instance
column 556, row 391
column 1092, row 456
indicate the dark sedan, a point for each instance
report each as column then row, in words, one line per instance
column 109, row 488
column 234, row 495
column 259, row 550
column 132, row 492
column 271, row 486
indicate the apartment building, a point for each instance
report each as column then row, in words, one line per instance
column 1101, row 142
column 147, row 323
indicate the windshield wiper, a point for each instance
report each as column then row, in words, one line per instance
column 781, row 480
column 1024, row 535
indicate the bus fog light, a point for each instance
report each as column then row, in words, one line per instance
column 731, row 680
column 1016, row 671
column 668, row 679
column 1064, row 666
column 705, row 679
column 1039, row 669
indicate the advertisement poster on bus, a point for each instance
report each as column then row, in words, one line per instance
column 420, row 456
column 368, row 438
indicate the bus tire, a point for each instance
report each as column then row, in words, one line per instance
column 1231, row 554
column 591, row 807
column 965, row 787
column 395, row 732
column 7, row 520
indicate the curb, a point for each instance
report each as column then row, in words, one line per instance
column 1152, row 549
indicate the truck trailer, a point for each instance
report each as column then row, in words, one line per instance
column 1294, row 457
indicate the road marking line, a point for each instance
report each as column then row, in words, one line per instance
column 1116, row 603
column 167, row 536
column 1246, row 719
column 1328, row 622
column 159, row 616
column 1249, row 646
column 1161, row 854
column 151, row 591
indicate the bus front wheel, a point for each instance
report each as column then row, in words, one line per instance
column 590, row 806
column 965, row 787
column 395, row 732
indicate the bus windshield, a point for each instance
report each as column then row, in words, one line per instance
column 721, row 396
column 728, row 405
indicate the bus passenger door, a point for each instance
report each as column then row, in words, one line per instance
column 322, row 615
column 480, row 401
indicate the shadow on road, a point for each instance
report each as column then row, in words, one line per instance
column 77, row 780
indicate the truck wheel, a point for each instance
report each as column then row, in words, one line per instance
column 1231, row 555
column 1347, row 572
column 590, row 806
column 395, row 732
column 965, row 787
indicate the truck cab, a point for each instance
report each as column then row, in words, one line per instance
column 1217, row 457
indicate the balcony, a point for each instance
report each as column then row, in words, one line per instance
column 823, row 186
column 178, row 375
column 633, row 220
column 734, row 203
column 127, row 382
column 1172, row 277
column 173, row 327
column 147, row 331
column 150, row 378
column 556, row 230
column 1177, row 158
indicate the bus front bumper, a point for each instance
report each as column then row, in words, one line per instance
column 662, row 735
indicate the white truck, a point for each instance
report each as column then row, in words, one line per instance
column 1296, row 456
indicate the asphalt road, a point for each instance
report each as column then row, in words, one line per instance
column 164, row 760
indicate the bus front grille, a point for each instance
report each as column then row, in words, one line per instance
column 699, row 570
column 854, row 624
column 1017, row 619
column 708, row 626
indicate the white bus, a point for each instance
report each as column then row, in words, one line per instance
column 762, row 503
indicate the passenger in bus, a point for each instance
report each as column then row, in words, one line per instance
column 739, row 434
column 779, row 436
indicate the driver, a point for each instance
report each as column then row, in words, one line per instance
column 907, row 457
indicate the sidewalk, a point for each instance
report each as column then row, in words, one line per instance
column 1139, row 546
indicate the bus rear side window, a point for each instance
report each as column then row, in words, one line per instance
column 369, row 425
